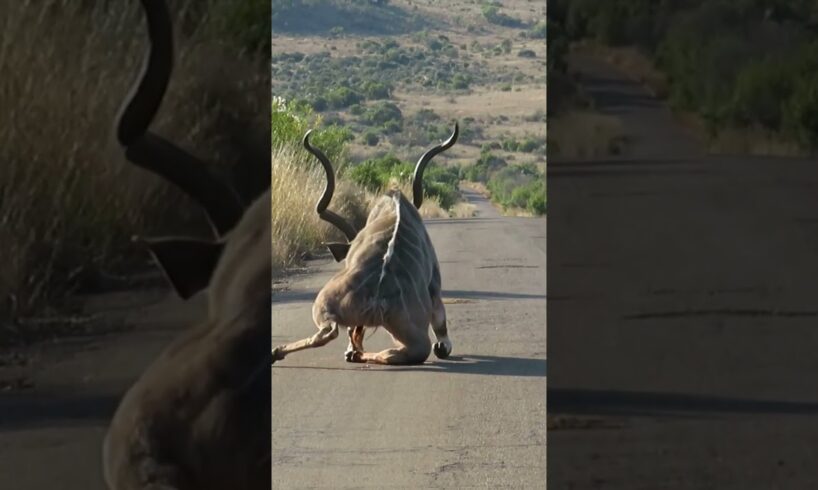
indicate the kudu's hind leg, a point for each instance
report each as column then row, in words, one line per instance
column 443, row 346
column 327, row 331
column 414, row 348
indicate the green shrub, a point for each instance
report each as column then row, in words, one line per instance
column 519, row 186
column 375, row 174
column 483, row 167
column 529, row 145
column 381, row 113
column 538, row 31
column 342, row 97
column 460, row 81
column 366, row 175
column 493, row 15
column 510, row 144
column 291, row 120
column 371, row 137
column 374, row 90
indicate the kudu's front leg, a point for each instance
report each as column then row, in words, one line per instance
column 356, row 342
column 327, row 331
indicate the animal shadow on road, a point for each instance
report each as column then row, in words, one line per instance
column 485, row 365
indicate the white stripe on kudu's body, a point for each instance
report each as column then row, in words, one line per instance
column 390, row 278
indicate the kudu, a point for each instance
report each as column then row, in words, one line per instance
column 390, row 278
column 199, row 417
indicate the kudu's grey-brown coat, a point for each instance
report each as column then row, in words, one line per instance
column 199, row 417
column 391, row 277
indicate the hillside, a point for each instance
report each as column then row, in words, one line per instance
column 397, row 73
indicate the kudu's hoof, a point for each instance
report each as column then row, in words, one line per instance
column 441, row 350
column 277, row 355
column 352, row 356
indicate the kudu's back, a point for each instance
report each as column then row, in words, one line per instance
column 390, row 265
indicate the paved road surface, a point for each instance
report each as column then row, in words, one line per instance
column 476, row 420
column 51, row 433
column 683, row 316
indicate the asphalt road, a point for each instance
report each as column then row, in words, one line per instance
column 51, row 433
column 476, row 420
column 683, row 322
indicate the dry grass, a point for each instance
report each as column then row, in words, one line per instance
column 477, row 187
column 463, row 210
column 742, row 141
column 747, row 141
column 470, row 209
column 296, row 229
column 68, row 200
column 431, row 207
column 585, row 134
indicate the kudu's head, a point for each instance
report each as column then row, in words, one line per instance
column 235, row 265
column 339, row 250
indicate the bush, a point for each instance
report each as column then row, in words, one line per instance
column 377, row 173
column 493, row 15
column 371, row 137
column 342, row 97
column 291, row 120
column 484, row 167
column 538, row 30
column 519, row 186
column 382, row 113
column 373, row 90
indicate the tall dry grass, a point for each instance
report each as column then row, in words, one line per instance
column 297, row 183
column 431, row 207
column 585, row 134
column 68, row 200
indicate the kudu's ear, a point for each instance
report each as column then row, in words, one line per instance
column 188, row 264
column 338, row 250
